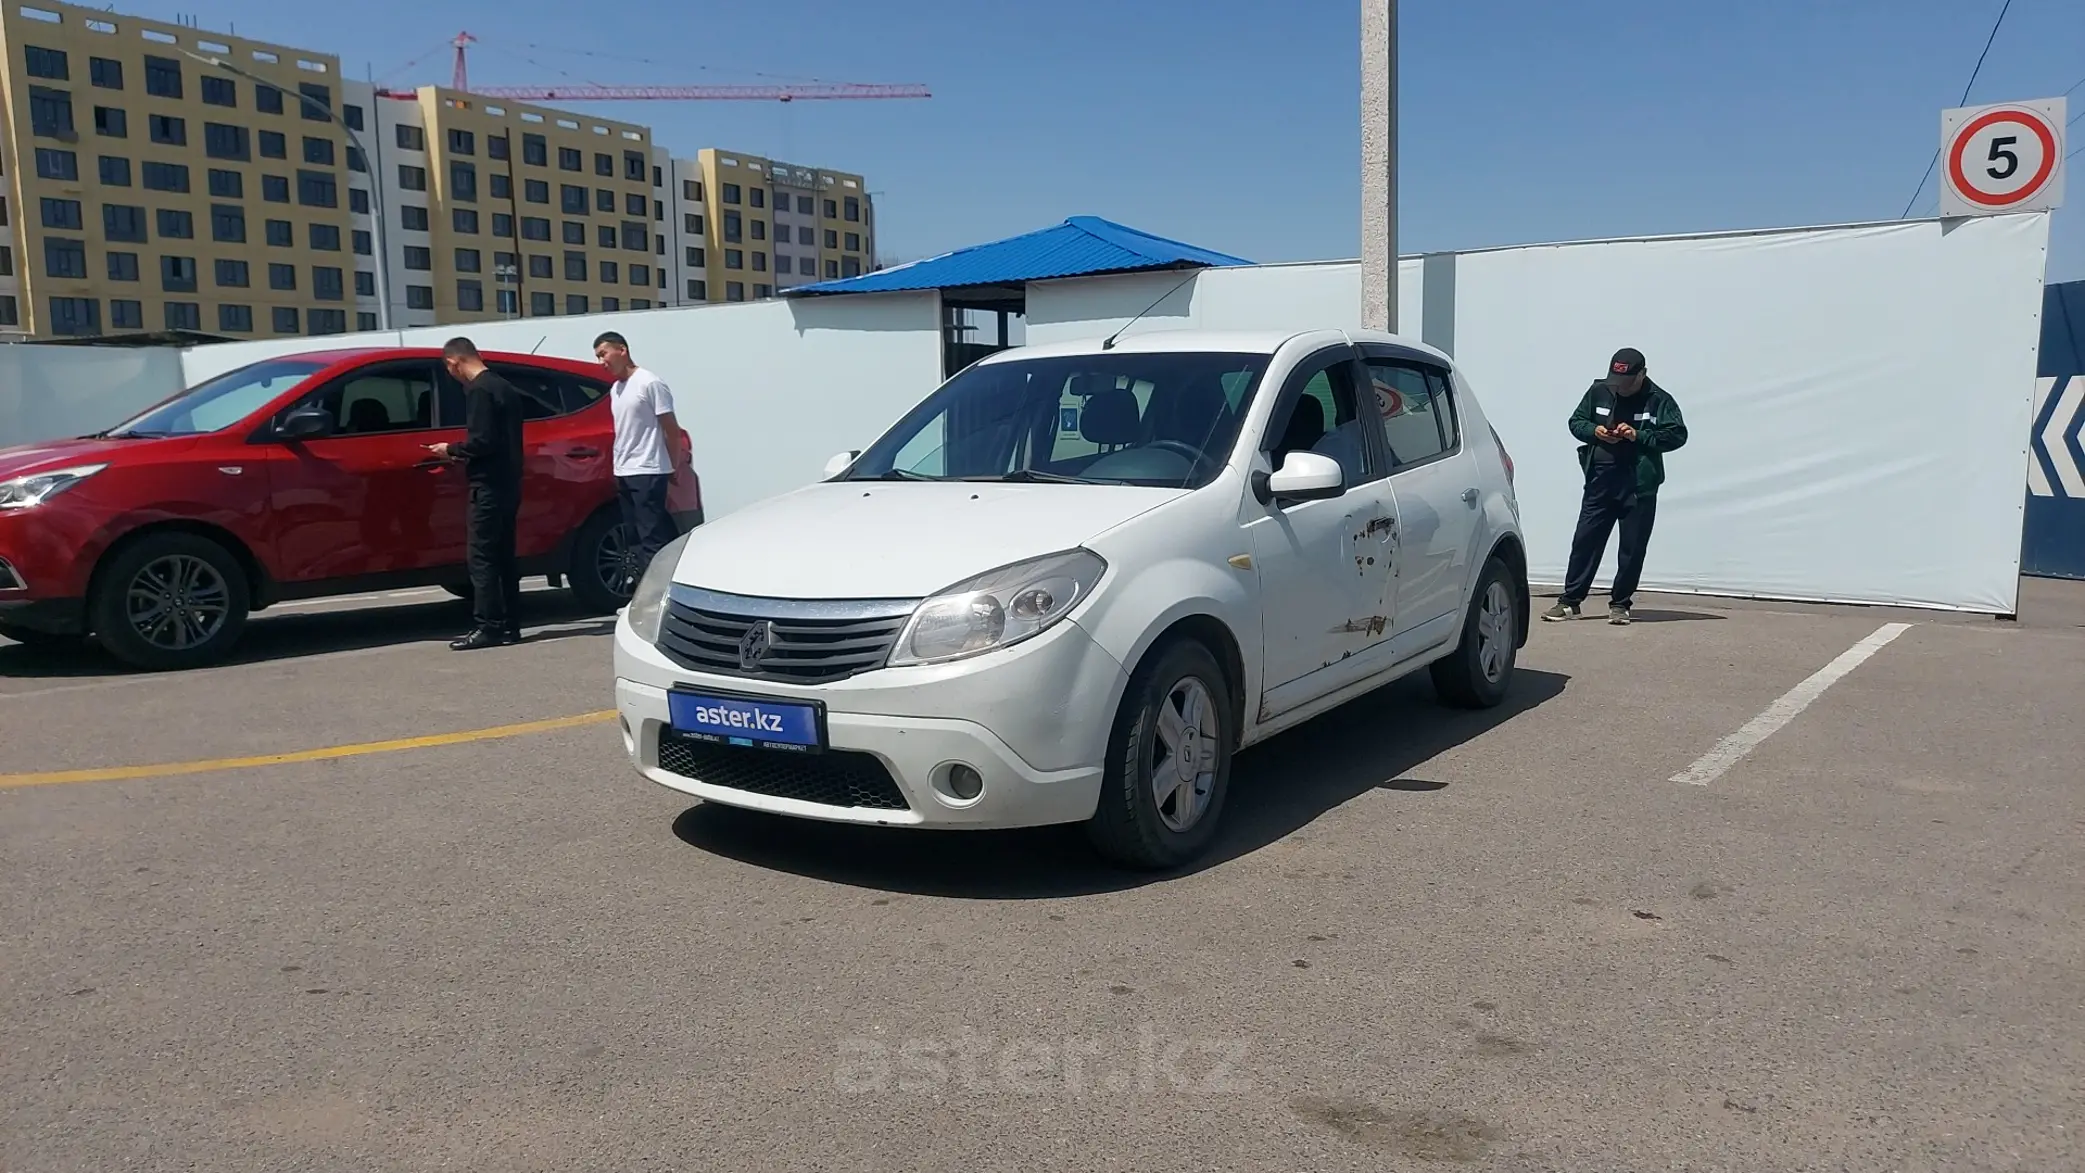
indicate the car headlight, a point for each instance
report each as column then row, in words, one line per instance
column 37, row 488
column 998, row 608
column 647, row 609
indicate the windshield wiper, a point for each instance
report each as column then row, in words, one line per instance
column 897, row 474
column 1033, row 476
column 130, row 434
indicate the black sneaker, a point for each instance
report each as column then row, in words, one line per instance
column 483, row 637
column 1561, row 612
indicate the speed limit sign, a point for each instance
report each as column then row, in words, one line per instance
column 2003, row 158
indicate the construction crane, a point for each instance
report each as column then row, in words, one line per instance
column 795, row 92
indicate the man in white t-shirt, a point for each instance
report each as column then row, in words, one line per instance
column 646, row 437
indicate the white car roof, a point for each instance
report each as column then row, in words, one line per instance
column 1158, row 341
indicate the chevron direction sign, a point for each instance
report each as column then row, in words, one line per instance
column 2056, row 466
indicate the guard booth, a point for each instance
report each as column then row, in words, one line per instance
column 984, row 288
column 2052, row 543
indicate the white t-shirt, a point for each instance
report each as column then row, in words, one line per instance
column 640, row 445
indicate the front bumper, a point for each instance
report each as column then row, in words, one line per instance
column 52, row 616
column 1032, row 720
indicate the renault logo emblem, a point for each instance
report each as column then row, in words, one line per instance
column 754, row 646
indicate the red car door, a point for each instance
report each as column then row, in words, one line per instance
column 568, row 438
column 367, row 499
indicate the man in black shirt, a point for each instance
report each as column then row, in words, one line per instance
column 492, row 457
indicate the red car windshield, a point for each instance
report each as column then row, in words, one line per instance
column 219, row 403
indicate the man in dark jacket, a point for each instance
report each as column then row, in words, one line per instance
column 1625, row 424
column 492, row 457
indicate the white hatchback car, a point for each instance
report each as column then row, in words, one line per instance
column 1076, row 580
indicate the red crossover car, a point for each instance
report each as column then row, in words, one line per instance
column 295, row 477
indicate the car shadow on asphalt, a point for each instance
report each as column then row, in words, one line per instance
column 1277, row 788
column 290, row 635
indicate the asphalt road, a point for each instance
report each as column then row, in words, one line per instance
column 1429, row 940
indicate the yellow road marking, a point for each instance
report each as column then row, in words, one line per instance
column 328, row 753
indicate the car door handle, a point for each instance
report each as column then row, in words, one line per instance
column 583, row 453
column 1469, row 496
column 433, row 463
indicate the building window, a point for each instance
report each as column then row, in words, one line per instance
column 463, row 142
column 503, row 225
column 75, row 315
column 633, row 166
column 854, row 210
column 496, row 146
column 362, row 243
column 731, row 197
column 63, row 257
column 757, row 197
column 235, row 319
column 176, row 225
column 607, row 236
column 365, row 283
column 111, row 122
column 535, row 228
column 850, row 266
column 66, row 214
column 610, row 275
column 463, row 181
column 509, row 301
column 763, row 292
column 464, row 220
column 104, row 73
column 281, row 234
column 692, row 224
column 696, row 258
column 832, row 239
column 832, row 270
column 691, row 190
column 659, row 211
column 734, row 291
column 542, row 305
column 325, row 238
column 274, row 145
column 759, row 228
column 604, row 200
column 469, row 260
column 352, row 116
column 610, row 305
column 604, row 165
column 635, row 205
column 734, row 259
column 10, row 313
column 227, row 185
column 123, row 222
column 470, row 295
column 231, row 274
column 412, row 217
column 784, row 263
column 126, row 314
column 177, row 274
column 805, row 235
column 285, row 319
column 535, row 191
column 123, row 266
column 733, row 230
column 575, row 266
column 328, row 283
column 46, row 63
column 317, row 105
column 534, row 150
column 318, row 151
column 760, row 262
column 419, row 297
column 502, row 187
column 365, row 321
column 803, row 205
column 412, row 178
column 832, row 210
column 418, row 258
column 698, row 290
column 808, row 266
column 162, row 77
column 267, row 99
column 168, row 130
column 326, row 321
column 854, row 242
column 541, row 266
column 355, row 161
column 575, row 233
column 571, row 200
column 575, row 303
column 358, row 201
column 220, row 91
column 221, row 141
column 640, row 274
column 275, row 189
column 410, row 138
column 56, row 164
column 50, row 112
column 570, row 159
column 316, row 189
column 184, row 315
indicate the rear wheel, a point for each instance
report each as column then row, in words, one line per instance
column 170, row 601
column 604, row 569
column 1480, row 669
column 1169, row 762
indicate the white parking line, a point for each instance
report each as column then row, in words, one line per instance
column 1713, row 764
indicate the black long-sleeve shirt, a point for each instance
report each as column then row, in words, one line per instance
column 491, row 447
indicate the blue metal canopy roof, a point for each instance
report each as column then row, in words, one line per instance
column 1081, row 245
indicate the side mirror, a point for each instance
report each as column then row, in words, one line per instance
column 306, row 423
column 840, row 463
column 1306, row 476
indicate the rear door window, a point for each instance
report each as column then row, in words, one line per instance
column 1416, row 410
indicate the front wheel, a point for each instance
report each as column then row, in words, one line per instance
column 1480, row 669
column 170, row 601
column 604, row 569
column 1169, row 763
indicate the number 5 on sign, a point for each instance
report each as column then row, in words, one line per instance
column 2002, row 158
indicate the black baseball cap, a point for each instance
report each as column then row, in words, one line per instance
column 1626, row 362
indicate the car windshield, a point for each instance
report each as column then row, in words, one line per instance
column 1159, row 419
column 220, row 402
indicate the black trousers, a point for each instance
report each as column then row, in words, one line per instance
column 1606, row 504
column 495, row 578
column 643, row 502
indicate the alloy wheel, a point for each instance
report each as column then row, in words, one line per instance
column 615, row 561
column 177, row 602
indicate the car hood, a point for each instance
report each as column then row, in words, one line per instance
column 48, row 455
column 898, row 540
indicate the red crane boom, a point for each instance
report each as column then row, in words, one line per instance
column 806, row 92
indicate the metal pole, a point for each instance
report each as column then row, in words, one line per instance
column 376, row 181
column 1379, row 164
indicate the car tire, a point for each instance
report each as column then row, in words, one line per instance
column 1478, row 672
column 1179, row 702
column 596, row 550
column 170, row 601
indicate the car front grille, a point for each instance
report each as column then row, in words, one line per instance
column 806, row 642
column 835, row 778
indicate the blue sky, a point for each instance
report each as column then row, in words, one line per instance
column 1233, row 123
